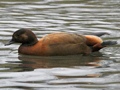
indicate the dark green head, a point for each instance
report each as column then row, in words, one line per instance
column 24, row 36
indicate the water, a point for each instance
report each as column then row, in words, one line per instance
column 99, row 71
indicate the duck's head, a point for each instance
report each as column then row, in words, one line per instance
column 24, row 36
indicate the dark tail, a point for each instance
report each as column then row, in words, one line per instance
column 99, row 46
column 106, row 43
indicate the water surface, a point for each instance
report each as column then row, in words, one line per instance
column 99, row 71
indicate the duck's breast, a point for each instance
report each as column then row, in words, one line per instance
column 37, row 49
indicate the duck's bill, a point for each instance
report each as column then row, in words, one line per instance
column 10, row 42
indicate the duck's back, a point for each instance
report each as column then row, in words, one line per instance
column 63, row 38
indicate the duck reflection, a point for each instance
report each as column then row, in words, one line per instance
column 34, row 62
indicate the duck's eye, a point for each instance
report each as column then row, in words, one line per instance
column 18, row 35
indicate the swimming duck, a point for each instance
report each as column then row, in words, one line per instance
column 60, row 43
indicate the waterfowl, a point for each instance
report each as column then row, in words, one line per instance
column 56, row 43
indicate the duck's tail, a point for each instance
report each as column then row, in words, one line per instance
column 99, row 46
column 106, row 43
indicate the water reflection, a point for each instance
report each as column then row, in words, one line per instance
column 58, row 61
column 59, row 71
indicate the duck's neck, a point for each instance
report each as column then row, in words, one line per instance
column 30, row 44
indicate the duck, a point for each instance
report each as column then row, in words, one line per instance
column 57, row 44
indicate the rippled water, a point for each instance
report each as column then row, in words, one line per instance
column 99, row 71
